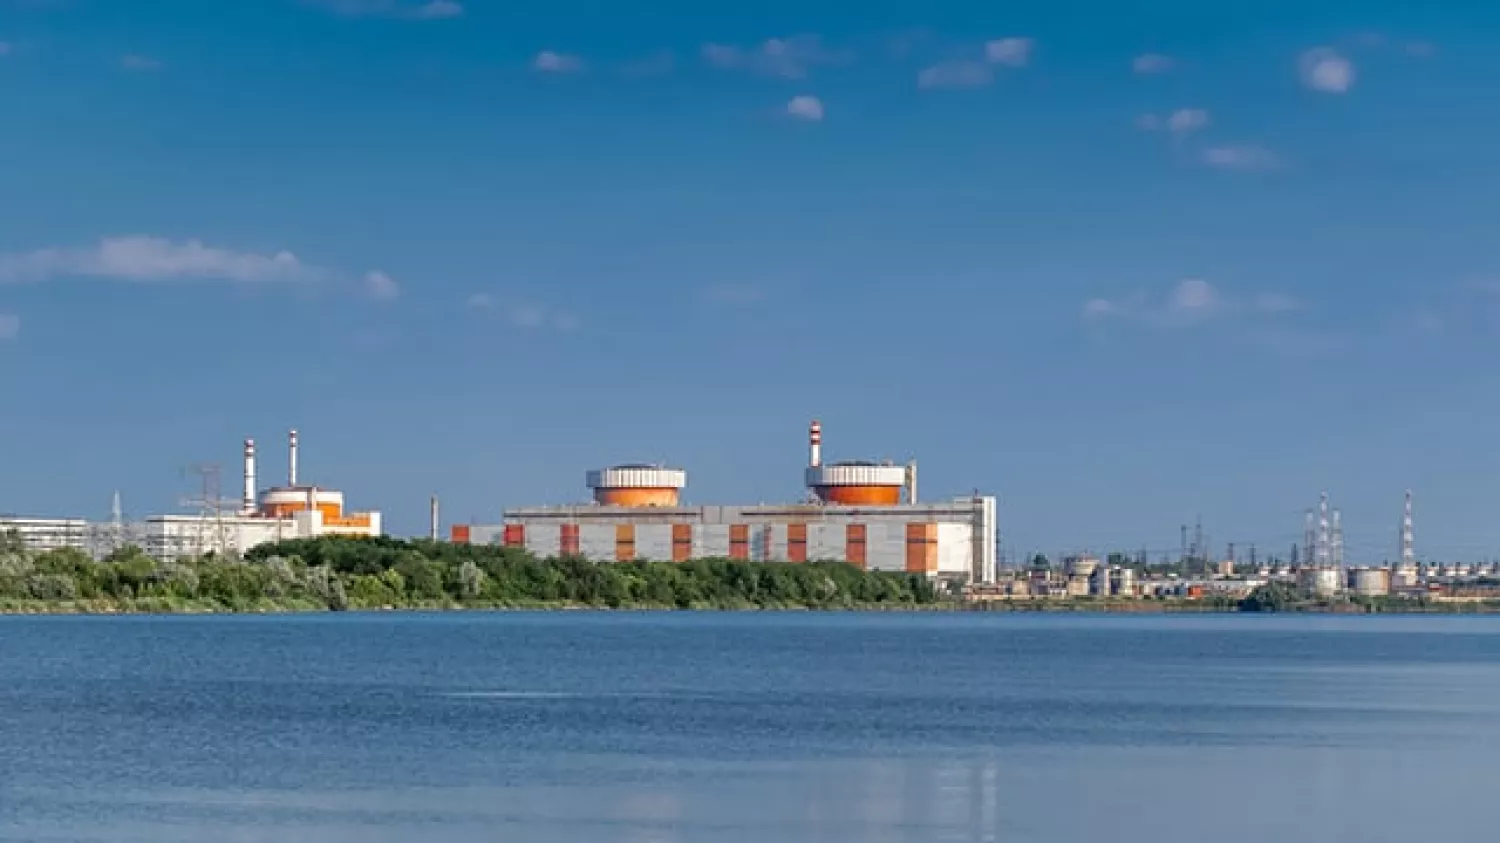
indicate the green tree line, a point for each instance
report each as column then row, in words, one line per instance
column 332, row 573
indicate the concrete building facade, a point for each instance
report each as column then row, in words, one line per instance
column 953, row 540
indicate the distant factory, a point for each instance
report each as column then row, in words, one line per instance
column 861, row 512
column 295, row 510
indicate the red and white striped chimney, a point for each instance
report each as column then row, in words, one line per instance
column 815, row 444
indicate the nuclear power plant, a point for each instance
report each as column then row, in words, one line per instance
column 292, row 511
column 862, row 512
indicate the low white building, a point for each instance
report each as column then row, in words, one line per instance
column 44, row 534
column 171, row 537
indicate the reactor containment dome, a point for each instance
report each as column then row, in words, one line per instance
column 856, row 483
column 637, row 484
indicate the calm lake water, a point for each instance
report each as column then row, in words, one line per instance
column 749, row 728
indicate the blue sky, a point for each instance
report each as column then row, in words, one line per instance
column 1118, row 266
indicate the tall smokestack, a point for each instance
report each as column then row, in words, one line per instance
column 911, row 482
column 248, row 504
column 815, row 444
column 291, row 472
column 433, row 529
column 1323, row 532
column 1408, row 551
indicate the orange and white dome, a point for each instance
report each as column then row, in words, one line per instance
column 637, row 485
column 857, row 483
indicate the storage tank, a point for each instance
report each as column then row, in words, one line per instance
column 1082, row 566
column 1372, row 582
column 637, row 484
column 1323, row 582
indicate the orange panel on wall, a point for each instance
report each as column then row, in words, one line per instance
column 921, row 548
column 568, row 540
column 625, row 542
column 739, row 541
column 854, row 545
column 459, row 534
column 796, row 542
column 514, row 535
column 682, row 542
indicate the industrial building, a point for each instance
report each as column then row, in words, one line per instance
column 44, row 534
column 863, row 513
column 293, row 511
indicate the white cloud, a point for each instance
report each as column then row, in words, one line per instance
column 1187, row 120
column 1323, row 69
column 10, row 326
column 1240, row 157
column 805, row 108
column 140, row 258
column 1192, row 301
column 409, row 9
column 139, row 62
column 956, row 74
column 537, row 317
column 1098, row 308
column 1152, row 63
column 526, row 315
column 550, row 62
column 1193, row 296
column 1011, row 52
column 380, row 286
column 785, row 58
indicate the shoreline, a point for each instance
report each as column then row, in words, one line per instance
column 108, row 608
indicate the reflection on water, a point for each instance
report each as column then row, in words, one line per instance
column 722, row 729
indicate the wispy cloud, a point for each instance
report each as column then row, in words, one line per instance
column 806, row 107
column 380, row 286
column 549, row 62
column 136, row 61
column 1180, row 122
column 1247, row 156
column 529, row 316
column 1420, row 49
column 956, row 74
column 785, row 58
column 1191, row 302
column 10, row 326
column 1150, row 63
column 143, row 259
column 140, row 259
column 408, row 9
column 1325, row 69
column 6, row 48
column 977, row 72
column 1011, row 52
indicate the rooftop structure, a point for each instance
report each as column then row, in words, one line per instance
column 637, row 484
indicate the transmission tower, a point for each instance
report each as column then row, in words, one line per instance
column 211, row 533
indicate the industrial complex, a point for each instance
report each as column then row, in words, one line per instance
column 860, row 512
column 295, row 510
